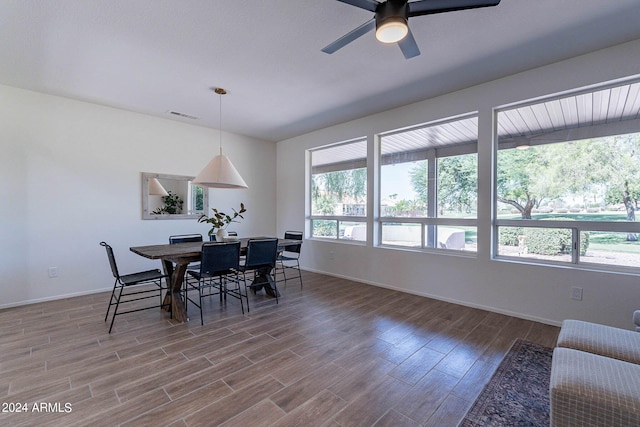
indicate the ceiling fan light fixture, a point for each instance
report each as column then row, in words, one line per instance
column 391, row 20
column 392, row 29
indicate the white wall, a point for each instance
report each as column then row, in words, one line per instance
column 529, row 291
column 70, row 177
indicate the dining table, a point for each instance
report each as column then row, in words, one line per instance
column 176, row 259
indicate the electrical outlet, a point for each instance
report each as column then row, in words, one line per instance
column 576, row 293
column 53, row 271
column 332, row 255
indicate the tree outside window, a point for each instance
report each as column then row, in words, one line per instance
column 339, row 191
column 572, row 195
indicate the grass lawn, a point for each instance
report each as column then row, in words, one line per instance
column 601, row 216
column 612, row 242
column 470, row 234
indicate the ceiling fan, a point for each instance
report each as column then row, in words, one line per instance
column 391, row 20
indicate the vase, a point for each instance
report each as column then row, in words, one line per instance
column 221, row 234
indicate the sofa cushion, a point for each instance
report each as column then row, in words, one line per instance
column 588, row 389
column 604, row 340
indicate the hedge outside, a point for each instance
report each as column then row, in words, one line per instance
column 543, row 241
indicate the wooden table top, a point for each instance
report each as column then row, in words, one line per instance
column 191, row 250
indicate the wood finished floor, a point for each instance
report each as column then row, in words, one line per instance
column 335, row 353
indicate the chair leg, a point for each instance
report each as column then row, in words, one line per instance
column 113, row 292
column 162, row 299
column 185, row 291
column 299, row 272
column 237, row 292
column 115, row 311
column 246, row 289
column 200, row 295
column 296, row 267
column 240, row 292
column 275, row 287
column 284, row 273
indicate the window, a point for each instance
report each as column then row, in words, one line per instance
column 568, row 179
column 429, row 186
column 339, row 191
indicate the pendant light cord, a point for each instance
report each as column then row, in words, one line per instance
column 220, row 172
column 220, row 125
column 220, row 91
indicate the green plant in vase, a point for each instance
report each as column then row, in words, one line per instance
column 220, row 221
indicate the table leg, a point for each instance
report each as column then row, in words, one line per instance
column 173, row 298
column 167, row 266
column 263, row 279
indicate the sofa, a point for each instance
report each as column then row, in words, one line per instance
column 595, row 376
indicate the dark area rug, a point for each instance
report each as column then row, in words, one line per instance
column 518, row 392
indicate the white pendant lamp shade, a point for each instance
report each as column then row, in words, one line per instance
column 156, row 189
column 220, row 173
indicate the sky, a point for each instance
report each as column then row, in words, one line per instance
column 395, row 180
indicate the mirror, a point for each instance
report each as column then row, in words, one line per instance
column 172, row 197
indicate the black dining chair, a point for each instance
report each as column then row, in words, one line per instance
column 187, row 238
column 289, row 258
column 219, row 267
column 130, row 282
column 261, row 260
column 214, row 238
column 235, row 234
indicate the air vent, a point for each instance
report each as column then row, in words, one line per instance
column 186, row 116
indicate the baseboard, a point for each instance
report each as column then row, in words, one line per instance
column 341, row 276
column 54, row 298
column 440, row 298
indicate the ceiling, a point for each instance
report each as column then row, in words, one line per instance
column 592, row 112
column 161, row 56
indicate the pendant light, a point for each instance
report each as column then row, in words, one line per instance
column 220, row 172
column 156, row 189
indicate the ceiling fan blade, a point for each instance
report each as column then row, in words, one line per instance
column 369, row 5
column 428, row 7
column 350, row 36
column 408, row 46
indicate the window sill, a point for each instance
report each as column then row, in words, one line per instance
column 334, row 240
column 593, row 268
column 434, row 251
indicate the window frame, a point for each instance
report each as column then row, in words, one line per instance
column 337, row 218
column 430, row 223
column 576, row 228
column 487, row 183
column 598, row 130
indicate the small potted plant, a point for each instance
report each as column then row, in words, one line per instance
column 172, row 204
column 220, row 221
